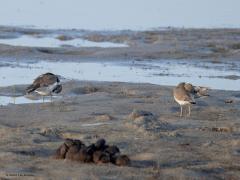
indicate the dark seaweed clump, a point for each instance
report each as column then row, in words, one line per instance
column 98, row 152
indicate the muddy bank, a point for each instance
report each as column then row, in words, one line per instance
column 169, row 43
column 160, row 144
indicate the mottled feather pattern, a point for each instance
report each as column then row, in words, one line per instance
column 183, row 94
column 45, row 80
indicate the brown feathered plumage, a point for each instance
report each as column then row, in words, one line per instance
column 43, row 80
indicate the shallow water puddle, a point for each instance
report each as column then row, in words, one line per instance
column 6, row 100
column 164, row 72
column 32, row 41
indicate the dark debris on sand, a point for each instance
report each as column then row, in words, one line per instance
column 98, row 152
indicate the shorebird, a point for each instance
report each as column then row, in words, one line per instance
column 184, row 96
column 45, row 85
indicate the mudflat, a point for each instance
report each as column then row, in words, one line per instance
column 141, row 119
column 169, row 43
column 160, row 144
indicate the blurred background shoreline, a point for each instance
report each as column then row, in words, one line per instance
column 120, row 15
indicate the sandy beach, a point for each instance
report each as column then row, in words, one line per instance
column 162, row 146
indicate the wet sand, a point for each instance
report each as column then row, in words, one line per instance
column 205, row 145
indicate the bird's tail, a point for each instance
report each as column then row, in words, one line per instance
column 191, row 99
column 57, row 89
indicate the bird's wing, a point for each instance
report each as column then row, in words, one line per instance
column 32, row 87
column 46, row 80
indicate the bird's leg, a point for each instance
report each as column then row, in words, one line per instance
column 51, row 100
column 14, row 100
column 181, row 111
column 189, row 109
column 42, row 105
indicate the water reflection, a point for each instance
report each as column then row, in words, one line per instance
column 6, row 100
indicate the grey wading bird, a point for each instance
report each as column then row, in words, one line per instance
column 45, row 85
column 185, row 94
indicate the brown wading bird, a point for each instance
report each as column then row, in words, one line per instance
column 45, row 85
column 184, row 94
